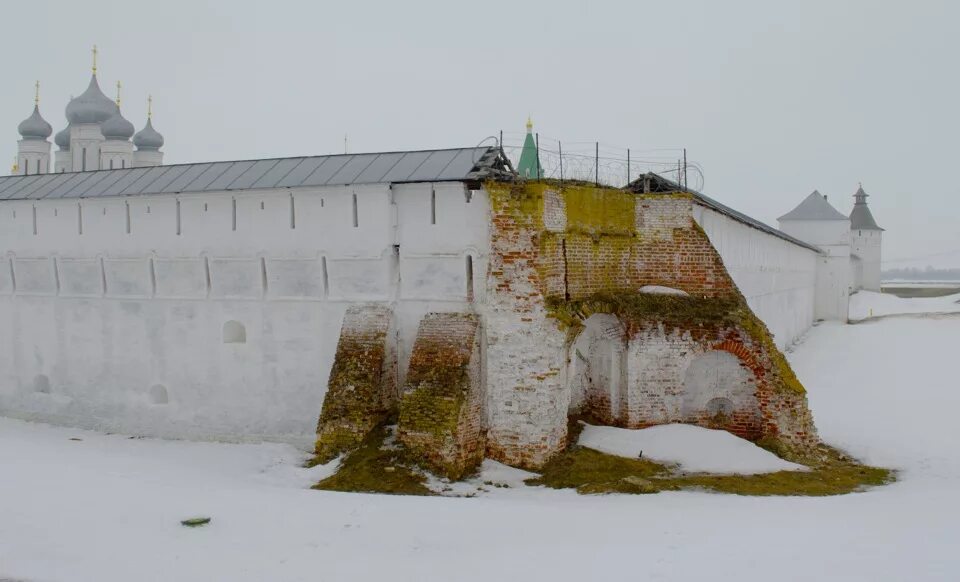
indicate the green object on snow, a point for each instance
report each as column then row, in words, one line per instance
column 195, row 521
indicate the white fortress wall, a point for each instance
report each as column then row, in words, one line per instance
column 777, row 277
column 216, row 315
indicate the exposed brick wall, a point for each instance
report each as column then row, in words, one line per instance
column 552, row 247
column 362, row 388
column 664, row 247
column 441, row 407
column 525, row 348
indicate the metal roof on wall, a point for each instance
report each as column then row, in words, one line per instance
column 450, row 165
column 659, row 184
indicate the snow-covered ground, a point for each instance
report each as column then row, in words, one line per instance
column 865, row 304
column 692, row 448
column 107, row 508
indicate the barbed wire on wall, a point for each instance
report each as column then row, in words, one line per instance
column 603, row 164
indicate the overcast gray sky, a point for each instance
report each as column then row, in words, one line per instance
column 772, row 99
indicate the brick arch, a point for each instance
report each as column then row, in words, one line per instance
column 746, row 357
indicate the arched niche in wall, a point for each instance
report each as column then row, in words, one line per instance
column 158, row 394
column 234, row 333
column 41, row 384
column 720, row 389
column 597, row 370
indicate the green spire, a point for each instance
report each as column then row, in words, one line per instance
column 529, row 166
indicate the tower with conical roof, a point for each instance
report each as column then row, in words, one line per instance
column 529, row 165
column 817, row 222
column 866, row 239
column 33, row 149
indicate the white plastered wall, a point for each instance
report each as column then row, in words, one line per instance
column 866, row 244
column 33, row 156
column 777, row 277
column 834, row 276
column 109, row 303
column 85, row 140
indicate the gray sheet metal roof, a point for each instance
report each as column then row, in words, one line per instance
column 659, row 184
column 814, row 207
column 451, row 165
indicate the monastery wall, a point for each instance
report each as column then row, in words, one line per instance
column 778, row 278
column 218, row 315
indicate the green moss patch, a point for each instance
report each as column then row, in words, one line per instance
column 592, row 472
column 669, row 309
column 377, row 466
column 355, row 400
column 595, row 210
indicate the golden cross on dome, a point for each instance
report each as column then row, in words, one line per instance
column 95, row 59
column 36, row 93
column 149, row 106
column 119, row 86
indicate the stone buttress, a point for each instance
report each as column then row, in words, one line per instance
column 441, row 406
column 361, row 392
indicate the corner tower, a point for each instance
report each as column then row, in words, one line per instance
column 817, row 222
column 865, row 240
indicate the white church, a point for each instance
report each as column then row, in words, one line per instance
column 97, row 137
column 208, row 300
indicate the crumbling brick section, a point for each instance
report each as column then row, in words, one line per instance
column 560, row 253
column 361, row 391
column 441, row 407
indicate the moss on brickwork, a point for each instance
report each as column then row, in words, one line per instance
column 521, row 201
column 355, row 402
column 682, row 312
column 601, row 242
column 377, row 466
column 641, row 307
column 596, row 210
column 784, row 376
column 435, row 416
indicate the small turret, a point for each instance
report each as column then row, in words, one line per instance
column 860, row 217
column 866, row 239
column 529, row 165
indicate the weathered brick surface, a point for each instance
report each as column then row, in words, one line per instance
column 441, row 407
column 362, row 388
column 551, row 245
column 525, row 348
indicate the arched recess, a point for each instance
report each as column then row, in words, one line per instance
column 597, row 374
column 720, row 391
column 234, row 333
column 158, row 394
column 41, row 384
